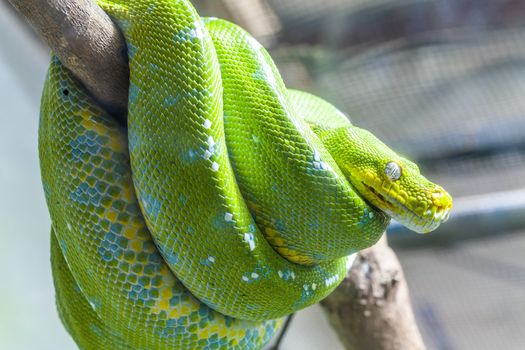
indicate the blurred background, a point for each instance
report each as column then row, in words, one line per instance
column 440, row 81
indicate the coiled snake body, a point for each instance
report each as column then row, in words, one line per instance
column 227, row 203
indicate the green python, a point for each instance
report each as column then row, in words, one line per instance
column 225, row 203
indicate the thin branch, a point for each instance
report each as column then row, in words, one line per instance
column 371, row 308
column 87, row 42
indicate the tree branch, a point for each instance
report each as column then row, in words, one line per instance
column 370, row 310
column 87, row 42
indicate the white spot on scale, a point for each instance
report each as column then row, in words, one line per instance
column 305, row 286
column 280, row 273
column 370, row 215
column 317, row 156
column 207, row 124
column 255, row 275
column 317, row 165
column 245, row 279
column 329, row 281
column 214, row 166
column 197, row 33
column 293, row 275
column 248, row 238
column 207, row 154
column 314, row 286
column 228, row 217
column 211, row 259
column 69, row 226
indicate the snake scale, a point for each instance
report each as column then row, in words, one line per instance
column 225, row 203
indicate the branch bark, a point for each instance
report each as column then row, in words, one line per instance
column 370, row 310
column 87, row 42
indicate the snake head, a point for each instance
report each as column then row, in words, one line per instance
column 396, row 187
column 393, row 184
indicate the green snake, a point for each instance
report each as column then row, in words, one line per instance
column 225, row 203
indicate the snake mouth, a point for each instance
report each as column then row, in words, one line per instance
column 422, row 219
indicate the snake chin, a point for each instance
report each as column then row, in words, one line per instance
column 419, row 216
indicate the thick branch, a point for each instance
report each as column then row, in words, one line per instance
column 371, row 308
column 87, row 42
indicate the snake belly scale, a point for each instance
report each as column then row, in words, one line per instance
column 226, row 203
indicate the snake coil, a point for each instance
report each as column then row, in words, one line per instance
column 215, row 212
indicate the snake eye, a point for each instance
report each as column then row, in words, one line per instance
column 393, row 171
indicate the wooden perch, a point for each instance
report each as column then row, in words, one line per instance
column 370, row 310
column 87, row 42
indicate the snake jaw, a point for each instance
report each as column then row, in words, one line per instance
column 428, row 214
column 421, row 212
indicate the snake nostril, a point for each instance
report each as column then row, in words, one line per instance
column 441, row 199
